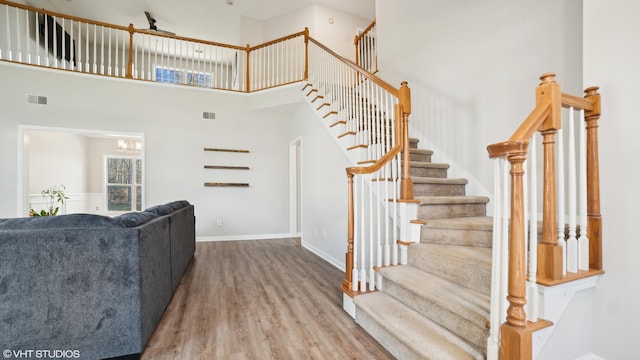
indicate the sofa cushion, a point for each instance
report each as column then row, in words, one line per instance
column 133, row 219
column 160, row 210
column 175, row 205
column 58, row 222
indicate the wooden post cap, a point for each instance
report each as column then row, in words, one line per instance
column 548, row 77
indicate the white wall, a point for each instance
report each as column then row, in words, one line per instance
column 473, row 67
column 57, row 158
column 324, row 188
column 170, row 118
column 337, row 36
column 611, row 58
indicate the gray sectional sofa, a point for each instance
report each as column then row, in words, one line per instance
column 91, row 284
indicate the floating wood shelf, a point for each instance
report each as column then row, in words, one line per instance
column 226, row 150
column 218, row 184
column 224, row 167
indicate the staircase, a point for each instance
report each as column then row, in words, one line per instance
column 436, row 306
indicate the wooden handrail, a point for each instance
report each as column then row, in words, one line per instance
column 582, row 103
column 278, row 40
column 183, row 38
column 384, row 159
column 403, row 109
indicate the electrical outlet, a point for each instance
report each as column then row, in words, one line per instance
column 219, row 222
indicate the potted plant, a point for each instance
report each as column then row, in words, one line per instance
column 54, row 195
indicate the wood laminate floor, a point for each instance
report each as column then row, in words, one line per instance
column 262, row 299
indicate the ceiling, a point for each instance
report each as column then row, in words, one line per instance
column 212, row 20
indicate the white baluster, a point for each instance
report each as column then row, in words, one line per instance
column 363, row 238
column 9, row 48
column 371, row 236
column 18, row 42
column 117, row 47
column 495, row 317
column 72, row 45
column 572, row 242
column 560, row 198
column 583, row 241
column 504, row 241
column 26, row 27
column 36, row 30
column 356, row 236
column 102, row 51
column 379, row 219
column 533, row 299
column 87, row 68
column 95, row 49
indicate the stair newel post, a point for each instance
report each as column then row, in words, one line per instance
column 406, row 184
column 594, row 219
column 306, row 53
column 549, row 251
column 348, row 278
column 247, row 70
column 130, row 59
column 515, row 335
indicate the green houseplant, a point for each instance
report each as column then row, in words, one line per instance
column 55, row 198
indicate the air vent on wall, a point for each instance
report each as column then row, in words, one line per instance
column 209, row 115
column 35, row 99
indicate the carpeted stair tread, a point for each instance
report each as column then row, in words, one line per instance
column 421, row 151
column 466, row 265
column 428, row 169
column 450, row 206
column 407, row 334
column 444, row 181
column 452, row 199
column 467, row 223
column 465, row 231
column 438, row 186
column 431, row 165
column 463, row 311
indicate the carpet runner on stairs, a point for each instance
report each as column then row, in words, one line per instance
column 436, row 306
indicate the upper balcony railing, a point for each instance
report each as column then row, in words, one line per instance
column 366, row 49
column 48, row 39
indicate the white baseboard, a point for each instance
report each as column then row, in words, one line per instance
column 244, row 237
column 323, row 255
column 313, row 249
